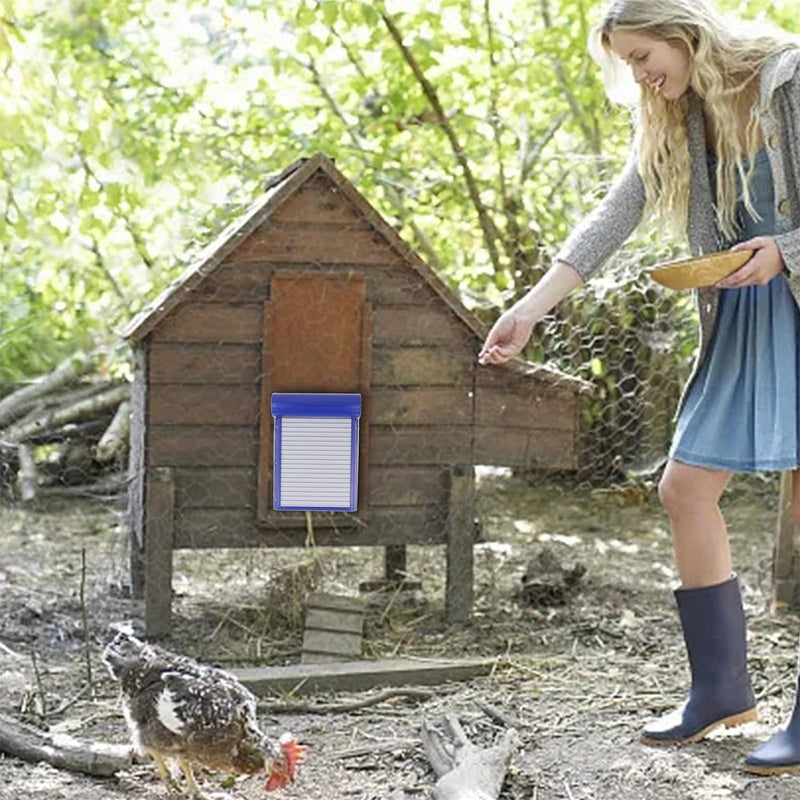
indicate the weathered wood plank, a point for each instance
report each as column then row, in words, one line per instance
column 334, row 642
column 204, row 363
column 422, row 405
column 316, row 334
column 203, row 528
column 265, row 455
column 320, row 658
column 211, row 322
column 420, row 445
column 365, row 389
column 190, row 404
column 334, row 627
column 520, row 382
column 509, row 447
column 337, row 602
column 460, row 539
column 328, row 620
column 136, row 469
column 316, row 339
column 786, row 561
column 318, row 202
column 409, row 445
column 423, row 326
column 533, row 409
column 159, row 532
column 235, row 487
column 359, row 675
column 250, row 282
column 215, row 487
column 354, row 244
column 200, row 445
column 420, row 366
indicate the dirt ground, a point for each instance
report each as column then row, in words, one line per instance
column 579, row 679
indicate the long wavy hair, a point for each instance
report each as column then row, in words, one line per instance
column 725, row 60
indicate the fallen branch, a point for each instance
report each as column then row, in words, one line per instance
column 27, row 473
column 374, row 748
column 328, row 708
column 16, row 402
column 109, row 485
column 115, row 438
column 85, row 408
column 87, row 650
column 496, row 715
column 466, row 772
column 65, row 752
column 4, row 648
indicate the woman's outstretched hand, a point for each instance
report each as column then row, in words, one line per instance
column 506, row 338
column 765, row 263
column 513, row 328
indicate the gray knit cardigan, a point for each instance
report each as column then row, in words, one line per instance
column 604, row 231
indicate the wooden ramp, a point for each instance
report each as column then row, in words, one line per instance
column 353, row 676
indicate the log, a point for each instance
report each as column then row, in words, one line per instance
column 466, row 772
column 115, row 438
column 40, row 406
column 27, row 473
column 60, row 416
column 65, row 752
column 17, row 402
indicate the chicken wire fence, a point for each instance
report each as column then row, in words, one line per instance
column 201, row 418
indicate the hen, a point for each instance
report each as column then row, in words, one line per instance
column 179, row 709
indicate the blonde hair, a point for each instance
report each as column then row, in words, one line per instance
column 725, row 61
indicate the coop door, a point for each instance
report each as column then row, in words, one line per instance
column 316, row 451
column 316, row 342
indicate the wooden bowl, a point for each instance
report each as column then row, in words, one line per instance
column 692, row 273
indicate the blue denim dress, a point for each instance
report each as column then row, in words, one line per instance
column 741, row 412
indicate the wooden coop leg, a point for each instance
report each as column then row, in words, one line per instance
column 394, row 564
column 159, row 509
column 786, row 565
column 460, row 539
column 137, row 570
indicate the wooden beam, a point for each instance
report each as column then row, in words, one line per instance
column 460, row 539
column 160, row 505
column 350, row 676
column 786, row 564
column 136, row 467
column 394, row 563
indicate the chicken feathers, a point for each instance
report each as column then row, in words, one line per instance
column 177, row 708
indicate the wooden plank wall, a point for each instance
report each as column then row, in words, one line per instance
column 204, row 365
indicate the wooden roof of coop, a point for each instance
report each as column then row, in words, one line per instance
column 313, row 224
column 255, row 221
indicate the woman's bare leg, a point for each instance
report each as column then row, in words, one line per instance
column 690, row 495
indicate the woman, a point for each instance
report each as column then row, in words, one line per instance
column 717, row 156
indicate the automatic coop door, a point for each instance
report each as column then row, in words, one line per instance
column 316, row 451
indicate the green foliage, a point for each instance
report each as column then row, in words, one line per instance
column 131, row 131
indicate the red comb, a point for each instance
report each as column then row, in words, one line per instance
column 279, row 774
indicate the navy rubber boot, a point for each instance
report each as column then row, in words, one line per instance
column 713, row 624
column 781, row 752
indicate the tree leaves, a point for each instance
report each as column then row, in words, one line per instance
column 133, row 130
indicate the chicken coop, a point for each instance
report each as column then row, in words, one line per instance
column 312, row 294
